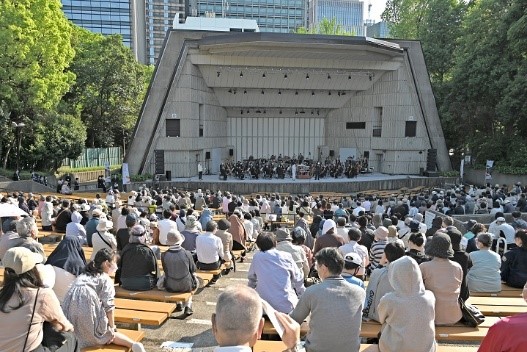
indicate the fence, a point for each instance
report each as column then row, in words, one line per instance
column 93, row 157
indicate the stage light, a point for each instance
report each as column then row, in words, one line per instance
column 280, row 92
column 329, row 93
column 313, row 93
column 218, row 74
column 245, row 91
column 230, row 90
column 329, row 76
column 241, row 74
column 307, row 75
column 296, row 92
column 263, row 76
column 349, row 76
column 285, row 75
column 263, row 92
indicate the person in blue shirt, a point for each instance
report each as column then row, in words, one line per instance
column 352, row 264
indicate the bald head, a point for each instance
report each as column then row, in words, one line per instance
column 238, row 318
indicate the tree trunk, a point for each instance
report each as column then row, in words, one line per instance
column 7, row 156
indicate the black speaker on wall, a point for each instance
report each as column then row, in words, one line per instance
column 431, row 159
column 332, row 153
column 231, row 152
column 168, row 175
column 207, row 155
column 367, row 154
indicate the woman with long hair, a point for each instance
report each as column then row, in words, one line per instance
column 89, row 304
column 25, row 305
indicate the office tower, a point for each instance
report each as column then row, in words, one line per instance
column 283, row 16
column 348, row 13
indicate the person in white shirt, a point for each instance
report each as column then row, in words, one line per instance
column 249, row 227
column 342, row 231
column 507, row 230
column 209, row 248
column 352, row 246
column 358, row 209
column 163, row 226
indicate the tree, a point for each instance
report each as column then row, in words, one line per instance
column 57, row 137
column 325, row 26
column 35, row 51
column 109, row 88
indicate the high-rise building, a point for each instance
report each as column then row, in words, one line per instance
column 347, row 13
column 106, row 17
column 378, row 30
column 282, row 16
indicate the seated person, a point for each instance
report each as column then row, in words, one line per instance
column 138, row 263
column 355, row 235
column 63, row 218
column 508, row 334
column 74, row 228
column 209, row 248
column 275, row 275
column 379, row 284
column 190, row 233
column 237, row 323
column 68, row 262
column 406, row 310
column 179, row 268
column 352, row 265
column 416, row 250
column 484, row 275
column 514, row 262
column 443, row 277
column 334, row 307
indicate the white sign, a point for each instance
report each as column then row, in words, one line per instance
column 126, row 174
column 429, row 216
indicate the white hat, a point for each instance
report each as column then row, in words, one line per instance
column 328, row 224
column 104, row 225
column 500, row 219
column 21, row 259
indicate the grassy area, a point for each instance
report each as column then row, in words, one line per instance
column 24, row 175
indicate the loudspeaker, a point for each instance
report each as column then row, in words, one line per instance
column 367, row 154
column 231, row 152
column 168, row 175
column 331, row 153
column 207, row 155
column 431, row 159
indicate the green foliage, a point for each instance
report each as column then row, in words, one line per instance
column 57, row 137
column 8, row 173
column 109, row 87
column 140, row 178
column 327, row 27
column 453, row 173
column 35, row 51
column 67, row 169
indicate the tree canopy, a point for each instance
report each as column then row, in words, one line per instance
column 327, row 27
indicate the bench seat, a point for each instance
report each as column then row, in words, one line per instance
column 153, row 295
column 279, row 346
column 139, row 317
column 133, row 334
column 145, row 306
column 497, row 301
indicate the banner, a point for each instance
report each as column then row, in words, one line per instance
column 126, row 174
column 107, row 173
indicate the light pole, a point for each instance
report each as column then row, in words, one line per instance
column 18, row 128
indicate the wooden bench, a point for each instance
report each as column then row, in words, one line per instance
column 506, row 291
column 133, row 334
column 497, row 301
column 500, row 311
column 153, row 295
column 139, row 317
column 279, row 346
column 146, row 306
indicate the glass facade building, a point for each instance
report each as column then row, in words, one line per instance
column 282, row 16
column 348, row 13
column 105, row 17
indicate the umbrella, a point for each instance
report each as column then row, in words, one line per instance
column 9, row 210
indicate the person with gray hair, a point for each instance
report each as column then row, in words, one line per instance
column 209, row 248
column 237, row 323
column 25, row 236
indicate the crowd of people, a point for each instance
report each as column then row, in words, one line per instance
column 417, row 273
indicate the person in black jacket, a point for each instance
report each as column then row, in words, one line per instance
column 461, row 257
column 138, row 269
column 514, row 262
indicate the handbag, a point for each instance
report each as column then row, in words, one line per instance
column 472, row 316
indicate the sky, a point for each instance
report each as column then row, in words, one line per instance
column 377, row 8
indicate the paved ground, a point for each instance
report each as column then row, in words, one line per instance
column 196, row 328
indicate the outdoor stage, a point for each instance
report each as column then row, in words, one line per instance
column 363, row 182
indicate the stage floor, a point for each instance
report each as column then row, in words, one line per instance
column 364, row 182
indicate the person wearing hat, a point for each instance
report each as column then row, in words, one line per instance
column 103, row 238
column 137, row 264
column 406, row 311
column 377, row 248
column 91, row 225
column 353, row 246
column 484, row 275
column 352, row 264
column 25, row 304
column 190, row 233
column 284, row 243
column 123, row 235
column 329, row 237
column 443, row 277
column 75, row 229
column 275, row 275
column 179, row 268
column 504, row 230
